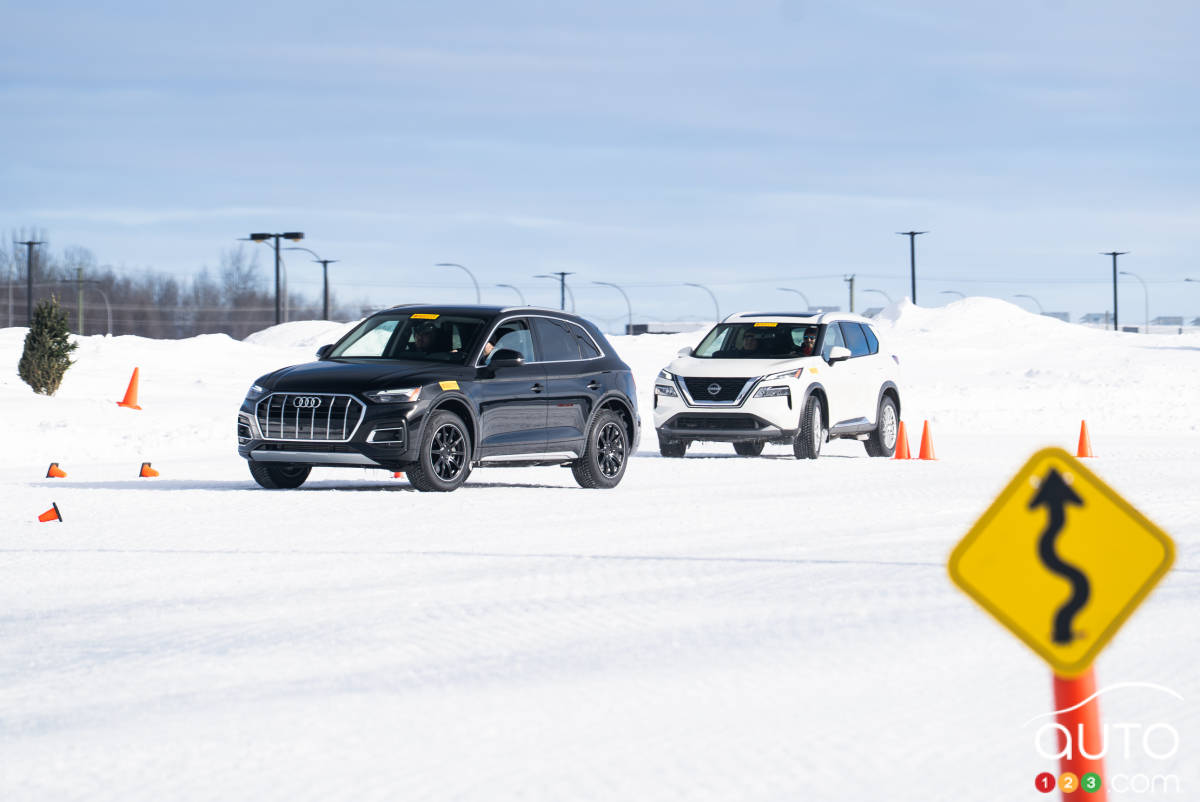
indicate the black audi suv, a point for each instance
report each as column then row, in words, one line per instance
column 435, row 391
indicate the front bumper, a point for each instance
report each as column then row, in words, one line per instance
column 722, row 428
column 385, row 436
column 771, row 419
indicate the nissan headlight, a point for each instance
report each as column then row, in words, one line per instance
column 786, row 374
column 664, row 384
column 773, row 391
column 398, row 396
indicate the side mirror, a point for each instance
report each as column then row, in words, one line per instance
column 323, row 351
column 839, row 353
column 684, row 352
column 506, row 358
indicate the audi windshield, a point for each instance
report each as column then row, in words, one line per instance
column 758, row 341
column 422, row 337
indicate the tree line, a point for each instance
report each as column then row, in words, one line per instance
column 235, row 299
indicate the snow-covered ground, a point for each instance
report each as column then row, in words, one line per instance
column 716, row 628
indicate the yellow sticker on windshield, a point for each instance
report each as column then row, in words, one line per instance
column 448, row 385
column 765, row 325
column 424, row 316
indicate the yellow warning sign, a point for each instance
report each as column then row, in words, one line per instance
column 1061, row 560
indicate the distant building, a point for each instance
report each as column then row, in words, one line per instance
column 1065, row 317
column 1167, row 320
column 675, row 327
column 1196, row 322
column 1097, row 317
column 873, row 311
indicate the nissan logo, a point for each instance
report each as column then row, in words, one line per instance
column 714, row 388
column 306, row 401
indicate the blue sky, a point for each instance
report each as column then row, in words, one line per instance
column 745, row 146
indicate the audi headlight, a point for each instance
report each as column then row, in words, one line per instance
column 255, row 392
column 772, row 392
column 394, row 396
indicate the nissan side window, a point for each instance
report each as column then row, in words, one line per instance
column 512, row 335
column 856, row 341
column 833, row 338
column 556, row 341
column 872, row 340
column 587, row 348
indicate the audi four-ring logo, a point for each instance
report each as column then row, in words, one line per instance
column 714, row 388
column 306, row 402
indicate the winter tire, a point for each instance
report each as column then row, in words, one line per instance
column 444, row 456
column 279, row 475
column 812, row 432
column 603, row 462
column 882, row 442
column 749, row 448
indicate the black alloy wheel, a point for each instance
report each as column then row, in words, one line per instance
column 443, row 461
column 603, row 463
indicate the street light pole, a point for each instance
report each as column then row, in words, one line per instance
column 850, row 280
column 325, row 263
column 520, row 294
column 1145, row 294
column 716, row 306
column 294, row 236
column 29, row 278
column 1114, row 255
column 1041, row 311
column 563, row 289
column 803, row 297
column 628, row 306
column 881, row 292
column 912, row 257
column 468, row 272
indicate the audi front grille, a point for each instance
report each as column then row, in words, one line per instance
column 321, row 417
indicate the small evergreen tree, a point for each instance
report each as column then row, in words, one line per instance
column 47, row 349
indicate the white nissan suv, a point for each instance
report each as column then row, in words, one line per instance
column 797, row 379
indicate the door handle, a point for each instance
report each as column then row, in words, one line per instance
column 593, row 385
column 537, row 387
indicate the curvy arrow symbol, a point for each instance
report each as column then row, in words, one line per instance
column 1055, row 494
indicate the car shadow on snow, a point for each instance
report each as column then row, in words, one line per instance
column 391, row 486
column 775, row 457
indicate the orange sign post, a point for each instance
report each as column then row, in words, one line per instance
column 1062, row 561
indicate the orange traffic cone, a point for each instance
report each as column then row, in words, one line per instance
column 902, row 451
column 1085, row 442
column 147, row 472
column 55, row 472
column 51, row 514
column 130, row 399
column 927, row 443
